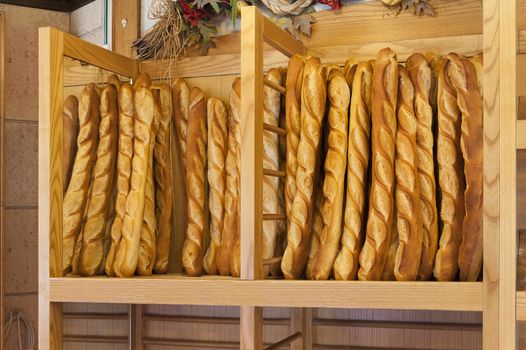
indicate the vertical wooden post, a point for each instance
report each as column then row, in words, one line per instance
column 51, row 82
column 301, row 321
column 135, row 327
column 499, row 224
column 125, row 25
column 251, row 332
column 2, row 109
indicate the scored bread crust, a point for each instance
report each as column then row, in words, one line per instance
column 313, row 98
column 349, row 71
column 407, row 192
column 346, row 263
column 464, row 79
column 181, row 103
column 389, row 268
column 69, row 138
column 124, row 168
column 217, row 151
column 421, row 77
column 271, row 160
column 450, row 176
column 381, row 203
column 478, row 63
column 93, row 231
column 293, row 125
column 147, row 249
column 77, row 193
column 231, row 219
column 163, row 181
column 128, row 250
column 193, row 247
column 320, row 264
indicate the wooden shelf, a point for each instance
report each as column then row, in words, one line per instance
column 178, row 289
column 521, row 306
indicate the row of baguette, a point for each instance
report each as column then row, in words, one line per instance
column 384, row 169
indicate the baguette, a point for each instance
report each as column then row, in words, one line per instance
column 147, row 249
column 464, row 79
column 235, row 255
column 346, row 263
column 271, row 114
column 379, row 224
column 421, row 77
column 115, row 81
column 70, row 123
column 128, row 249
column 231, row 219
column 124, row 169
column 407, row 193
column 77, row 193
column 478, row 62
column 313, row 98
column 389, row 269
column 320, row 264
column 450, row 176
column 193, row 247
column 143, row 80
column 217, row 152
column 163, row 181
column 180, row 106
column 91, row 256
column 349, row 71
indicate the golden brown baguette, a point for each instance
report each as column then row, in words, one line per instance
column 349, row 71
column 389, row 268
column 464, row 79
column 450, row 176
column 143, row 80
column 271, row 114
column 181, row 103
column 231, row 219
column 293, row 125
column 420, row 74
column 147, row 248
column 77, row 193
column 313, row 98
column 317, row 220
column 478, row 62
column 163, row 181
column 380, row 217
column 407, row 192
column 115, row 81
column 70, row 124
column 92, row 251
column 128, row 250
column 320, row 263
column 193, row 247
column 235, row 255
column 124, row 169
column 217, row 152
column 346, row 263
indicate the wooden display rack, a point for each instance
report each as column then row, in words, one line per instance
column 495, row 296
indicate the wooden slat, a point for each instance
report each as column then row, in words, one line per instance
column 2, row 165
column 369, row 22
column 284, row 341
column 251, row 327
column 275, row 129
column 94, row 316
column 77, row 73
column 438, row 326
column 95, row 339
column 301, row 321
column 274, row 86
column 50, row 184
column 521, row 134
column 95, row 55
column 123, row 36
column 278, row 38
column 209, row 320
column 215, row 290
column 252, row 144
column 521, row 306
column 135, row 327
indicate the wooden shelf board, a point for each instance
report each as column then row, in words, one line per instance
column 521, row 306
column 211, row 290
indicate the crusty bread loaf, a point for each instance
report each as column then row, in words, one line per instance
column 313, row 98
column 77, row 193
column 70, row 125
column 349, row 71
column 389, row 268
column 143, row 80
column 147, row 249
column 124, row 169
column 317, row 221
column 180, row 103
column 346, row 263
column 464, row 79
column 320, row 263
column 420, row 74
column 407, row 192
column 128, row 251
column 217, row 152
column 271, row 114
column 193, row 247
column 293, row 125
column 450, row 176
column 478, row 63
column 163, row 181
column 93, row 231
column 380, row 217
column 114, row 80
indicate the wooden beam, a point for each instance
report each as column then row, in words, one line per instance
column 125, row 25
column 2, row 171
column 301, row 321
column 135, row 328
column 251, row 319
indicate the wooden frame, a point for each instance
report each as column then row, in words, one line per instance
column 263, row 45
column 2, row 169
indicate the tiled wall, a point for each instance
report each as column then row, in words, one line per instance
column 21, row 155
